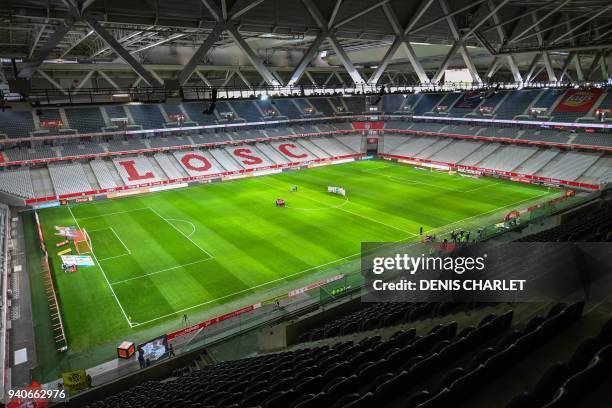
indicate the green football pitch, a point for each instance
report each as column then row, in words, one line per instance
column 162, row 255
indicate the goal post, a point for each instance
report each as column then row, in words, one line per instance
column 82, row 242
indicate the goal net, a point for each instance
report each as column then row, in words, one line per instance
column 336, row 190
column 82, row 242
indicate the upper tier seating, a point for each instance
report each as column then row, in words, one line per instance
column 516, row 103
column 247, row 110
column 356, row 104
column 225, row 107
column 494, row 100
column 267, row 107
column 195, row 111
column 85, row 120
column 68, row 178
column 448, row 100
column 304, row 104
column 172, row 110
column 50, row 114
column 288, row 108
column 148, row 116
column 16, row 124
column 115, row 111
column 547, row 98
column 392, row 103
column 606, row 103
column 322, row 105
column 426, row 103
column 466, row 103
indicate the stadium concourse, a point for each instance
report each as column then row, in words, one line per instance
column 279, row 204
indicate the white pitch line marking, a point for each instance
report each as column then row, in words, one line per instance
column 103, row 273
column 161, row 271
column 181, row 232
column 120, row 240
column 113, row 213
column 248, row 289
column 186, row 222
column 346, row 211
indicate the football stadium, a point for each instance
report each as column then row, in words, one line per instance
column 306, row 203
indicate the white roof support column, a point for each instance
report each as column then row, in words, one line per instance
column 579, row 70
column 459, row 45
column 225, row 23
column 545, row 56
column 252, row 56
column 200, row 53
column 401, row 38
column 333, row 41
column 122, row 52
column 306, row 58
column 568, row 61
column 532, row 67
column 516, row 74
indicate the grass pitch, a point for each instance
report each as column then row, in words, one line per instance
column 182, row 251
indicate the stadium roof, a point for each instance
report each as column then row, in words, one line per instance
column 366, row 38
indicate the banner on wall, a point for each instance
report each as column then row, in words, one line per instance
column 578, row 100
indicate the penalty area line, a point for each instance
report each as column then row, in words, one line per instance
column 181, row 232
column 103, row 273
column 161, row 271
column 249, row 289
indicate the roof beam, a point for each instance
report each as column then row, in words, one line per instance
column 251, row 55
column 493, row 11
column 401, row 38
column 74, row 44
column 591, row 18
column 330, row 23
column 459, row 45
column 118, row 48
column 52, row 82
column 109, row 80
column 333, row 41
column 306, row 58
column 446, row 16
column 361, row 13
column 200, row 53
column 43, row 52
column 539, row 20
